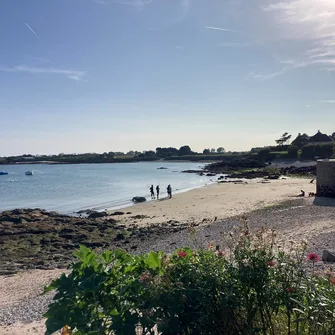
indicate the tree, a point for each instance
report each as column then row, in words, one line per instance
column 333, row 136
column 292, row 151
column 185, row 150
column 206, row 152
column 220, row 150
column 284, row 139
column 213, row 151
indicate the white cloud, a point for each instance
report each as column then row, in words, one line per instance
column 308, row 27
column 328, row 101
column 220, row 29
column 135, row 3
column 71, row 74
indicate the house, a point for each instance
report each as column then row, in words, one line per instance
column 303, row 139
column 320, row 138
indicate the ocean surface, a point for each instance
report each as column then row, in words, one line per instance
column 70, row 188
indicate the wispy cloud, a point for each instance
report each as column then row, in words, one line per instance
column 328, row 101
column 221, row 29
column 71, row 74
column 310, row 25
column 32, row 30
column 135, row 3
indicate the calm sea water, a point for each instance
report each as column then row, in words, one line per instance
column 69, row 188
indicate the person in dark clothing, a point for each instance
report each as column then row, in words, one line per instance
column 169, row 191
column 152, row 192
column 157, row 191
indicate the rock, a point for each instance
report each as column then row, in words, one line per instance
column 119, row 237
column 210, row 174
column 328, row 256
column 139, row 199
column 95, row 215
column 117, row 213
column 162, row 168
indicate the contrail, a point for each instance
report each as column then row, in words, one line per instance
column 31, row 29
column 217, row 28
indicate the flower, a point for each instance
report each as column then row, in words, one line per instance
column 210, row 246
column 219, row 253
column 289, row 289
column 271, row 263
column 182, row 254
column 313, row 257
column 144, row 277
column 66, row 330
column 332, row 280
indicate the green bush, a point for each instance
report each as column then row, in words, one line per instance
column 317, row 150
column 293, row 151
column 250, row 287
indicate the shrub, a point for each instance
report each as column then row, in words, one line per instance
column 250, row 287
column 292, row 151
column 317, row 150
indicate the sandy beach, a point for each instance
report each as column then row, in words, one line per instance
column 215, row 207
column 219, row 201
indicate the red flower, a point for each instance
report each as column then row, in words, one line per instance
column 271, row 263
column 144, row 277
column 219, row 253
column 332, row 280
column 246, row 233
column 182, row 254
column 289, row 289
column 313, row 257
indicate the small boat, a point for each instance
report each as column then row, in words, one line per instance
column 2, row 173
column 29, row 173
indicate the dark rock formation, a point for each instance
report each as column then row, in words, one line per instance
column 139, row 199
column 328, row 256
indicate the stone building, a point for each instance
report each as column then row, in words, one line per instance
column 325, row 178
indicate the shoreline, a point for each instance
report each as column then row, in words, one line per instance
column 213, row 210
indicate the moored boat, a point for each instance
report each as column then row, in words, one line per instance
column 29, row 173
column 2, row 173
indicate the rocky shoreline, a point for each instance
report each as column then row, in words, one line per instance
column 39, row 239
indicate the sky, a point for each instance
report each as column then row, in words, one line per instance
column 119, row 75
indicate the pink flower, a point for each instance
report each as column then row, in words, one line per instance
column 144, row 277
column 289, row 289
column 313, row 257
column 271, row 264
column 219, row 253
column 182, row 254
column 332, row 280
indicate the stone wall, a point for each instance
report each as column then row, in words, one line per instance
column 325, row 178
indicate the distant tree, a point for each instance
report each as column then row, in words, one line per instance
column 185, row 150
column 206, row 152
column 213, row 151
column 284, row 139
column 264, row 154
column 166, row 152
column 333, row 136
column 292, row 151
column 220, row 150
column 130, row 153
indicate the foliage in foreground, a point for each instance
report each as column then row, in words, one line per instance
column 250, row 287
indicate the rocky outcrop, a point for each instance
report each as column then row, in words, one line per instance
column 139, row 199
column 328, row 256
column 38, row 239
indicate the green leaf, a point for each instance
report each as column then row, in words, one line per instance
column 153, row 260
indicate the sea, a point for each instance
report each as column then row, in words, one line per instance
column 69, row 188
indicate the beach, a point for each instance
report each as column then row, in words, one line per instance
column 211, row 210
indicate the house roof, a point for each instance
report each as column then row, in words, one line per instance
column 319, row 137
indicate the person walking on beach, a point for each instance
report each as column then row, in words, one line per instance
column 152, row 192
column 157, row 191
column 169, row 191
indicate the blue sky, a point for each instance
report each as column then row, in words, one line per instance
column 107, row 75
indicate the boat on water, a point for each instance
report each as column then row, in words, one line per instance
column 2, row 173
column 29, row 173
